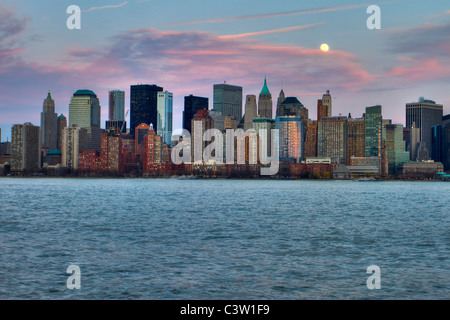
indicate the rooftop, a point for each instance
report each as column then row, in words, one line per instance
column 84, row 92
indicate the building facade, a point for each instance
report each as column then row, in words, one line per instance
column 228, row 100
column 116, row 105
column 424, row 114
column 291, row 138
column 165, row 116
column 49, row 119
column 25, row 148
column 143, row 105
column 265, row 104
column 373, row 131
column 192, row 104
column 332, row 139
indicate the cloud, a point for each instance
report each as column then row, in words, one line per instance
column 274, row 31
column 273, row 15
column 106, row 7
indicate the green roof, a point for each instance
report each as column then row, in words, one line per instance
column 49, row 96
column 62, row 116
column 84, row 92
column 265, row 90
column 54, row 152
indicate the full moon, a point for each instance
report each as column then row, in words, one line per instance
column 324, row 47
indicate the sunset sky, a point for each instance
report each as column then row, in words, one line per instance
column 187, row 46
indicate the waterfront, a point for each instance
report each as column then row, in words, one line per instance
column 223, row 239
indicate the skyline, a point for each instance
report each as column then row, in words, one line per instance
column 187, row 51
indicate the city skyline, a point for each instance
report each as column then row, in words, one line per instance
column 195, row 47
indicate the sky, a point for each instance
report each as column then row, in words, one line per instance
column 188, row 46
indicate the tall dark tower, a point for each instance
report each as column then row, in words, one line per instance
column 49, row 119
column 192, row 104
column 265, row 104
column 144, row 105
column 280, row 100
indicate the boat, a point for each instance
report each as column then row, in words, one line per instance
column 191, row 177
column 364, row 179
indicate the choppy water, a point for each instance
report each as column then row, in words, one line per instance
column 223, row 239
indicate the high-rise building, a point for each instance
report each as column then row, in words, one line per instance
column 332, row 139
column 395, row 146
column 436, row 143
column 49, row 132
column 228, row 100
column 356, row 138
column 139, row 133
column 117, row 105
column 25, row 148
column 281, row 98
column 152, row 152
column 327, row 102
column 200, row 123
column 144, row 105
column 446, row 141
column 74, row 141
column 191, row 105
column 425, row 114
column 218, row 120
column 265, row 104
column 373, row 129
column 165, row 116
column 84, row 112
column 263, row 127
column 111, row 158
column 62, row 123
column 251, row 111
column 292, row 107
column 291, row 138
column 311, row 139
column 229, row 123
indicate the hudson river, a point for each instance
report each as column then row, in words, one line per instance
column 223, row 239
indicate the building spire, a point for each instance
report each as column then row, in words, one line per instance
column 265, row 89
column 49, row 96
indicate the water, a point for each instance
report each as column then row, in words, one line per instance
column 223, row 239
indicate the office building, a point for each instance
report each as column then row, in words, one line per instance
column 84, row 112
column 424, row 114
column 228, row 100
column 311, row 139
column 49, row 132
column 373, row 131
column 356, row 138
column 144, row 105
column 251, row 111
column 291, row 138
column 395, row 147
column 192, row 104
column 165, row 116
column 265, row 104
column 332, row 139
column 25, row 148
column 61, row 124
column 446, row 142
column 117, row 105
column 111, row 159
column 74, row 141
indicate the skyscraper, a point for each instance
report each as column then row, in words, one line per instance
column 117, row 105
column 251, row 111
column 144, row 105
column 436, row 143
column 25, row 148
column 74, row 141
column 84, row 112
column 395, row 146
column 356, row 138
column 332, row 139
column 327, row 102
column 62, row 123
column 446, row 141
column 425, row 114
column 116, row 119
column 49, row 134
column 191, row 105
column 311, row 139
column 291, row 138
column 265, row 104
column 281, row 98
column 228, row 100
column 263, row 127
column 373, row 129
column 165, row 118
column 292, row 107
